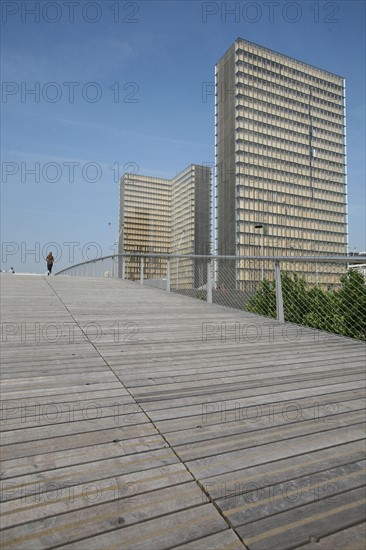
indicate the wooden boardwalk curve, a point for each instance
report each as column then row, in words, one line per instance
column 137, row 419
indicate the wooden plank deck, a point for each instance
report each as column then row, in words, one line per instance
column 136, row 419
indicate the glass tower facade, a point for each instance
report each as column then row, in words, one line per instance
column 166, row 216
column 190, row 224
column 144, row 220
column 281, row 184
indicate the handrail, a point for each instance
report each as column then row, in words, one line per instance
column 318, row 259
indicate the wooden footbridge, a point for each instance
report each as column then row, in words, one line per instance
column 137, row 419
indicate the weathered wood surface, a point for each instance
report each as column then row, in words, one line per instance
column 135, row 419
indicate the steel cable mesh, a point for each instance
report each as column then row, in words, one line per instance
column 320, row 295
column 131, row 268
column 189, row 277
column 236, row 281
column 155, row 272
column 100, row 267
column 326, row 297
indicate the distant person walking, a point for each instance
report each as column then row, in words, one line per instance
column 50, row 259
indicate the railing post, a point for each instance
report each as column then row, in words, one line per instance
column 141, row 271
column 168, row 274
column 123, row 267
column 209, row 281
column 279, row 300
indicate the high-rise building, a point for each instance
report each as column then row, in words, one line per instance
column 144, row 220
column 190, row 224
column 166, row 216
column 280, row 160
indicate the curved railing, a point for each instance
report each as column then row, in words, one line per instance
column 87, row 268
column 146, row 268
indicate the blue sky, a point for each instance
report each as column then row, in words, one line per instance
column 135, row 74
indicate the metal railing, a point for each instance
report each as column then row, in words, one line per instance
column 323, row 292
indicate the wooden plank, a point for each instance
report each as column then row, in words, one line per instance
column 61, row 459
column 233, row 442
column 54, row 500
column 56, row 413
column 95, row 507
column 225, row 540
column 42, row 405
column 248, row 390
column 68, row 476
column 132, row 416
column 159, row 389
column 54, row 381
column 163, row 533
column 214, row 465
column 181, row 372
column 296, row 527
column 104, row 436
column 258, row 415
column 283, row 470
column 207, row 403
column 252, row 504
column 63, row 390
column 353, row 538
